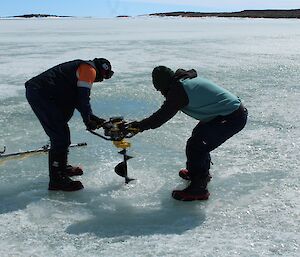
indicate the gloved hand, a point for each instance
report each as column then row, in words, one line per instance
column 134, row 127
column 94, row 122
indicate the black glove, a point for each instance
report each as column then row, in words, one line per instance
column 134, row 127
column 94, row 122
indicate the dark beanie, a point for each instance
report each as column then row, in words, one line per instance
column 162, row 78
column 102, row 64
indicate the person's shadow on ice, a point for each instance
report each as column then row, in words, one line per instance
column 120, row 218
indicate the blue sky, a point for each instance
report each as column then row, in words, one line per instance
column 112, row 8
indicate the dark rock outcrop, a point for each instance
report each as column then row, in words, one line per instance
column 274, row 14
column 37, row 16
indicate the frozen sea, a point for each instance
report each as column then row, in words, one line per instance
column 254, row 205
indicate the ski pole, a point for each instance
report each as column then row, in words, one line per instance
column 44, row 148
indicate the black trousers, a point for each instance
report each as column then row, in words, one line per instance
column 208, row 136
column 50, row 117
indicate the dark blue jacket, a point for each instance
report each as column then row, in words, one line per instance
column 60, row 84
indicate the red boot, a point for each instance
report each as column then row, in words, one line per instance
column 188, row 194
column 184, row 173
column 73, row 171
column 197, row 190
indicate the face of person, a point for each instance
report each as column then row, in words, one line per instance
column 163, row 92
column 106, row 74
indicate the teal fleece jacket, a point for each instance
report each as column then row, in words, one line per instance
column 197, row 97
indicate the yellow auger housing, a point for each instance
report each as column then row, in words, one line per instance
column 122, row 144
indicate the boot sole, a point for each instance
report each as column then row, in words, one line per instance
column 180, row 196
column 54, row 188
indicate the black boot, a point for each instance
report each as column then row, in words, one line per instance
column 197, row 190
column 58, row 178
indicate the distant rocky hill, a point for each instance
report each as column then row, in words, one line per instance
column 274, row 14
column 37, row 16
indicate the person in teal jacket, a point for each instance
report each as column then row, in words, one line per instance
column 220, row 113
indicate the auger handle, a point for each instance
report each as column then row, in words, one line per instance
column 99, row 135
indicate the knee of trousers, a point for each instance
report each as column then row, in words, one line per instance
column 196, row 148
column 198, row 156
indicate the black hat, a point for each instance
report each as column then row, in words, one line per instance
column 162, row 78
column 104, row 67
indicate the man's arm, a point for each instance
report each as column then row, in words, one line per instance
column 86, row 75
column 175, row 100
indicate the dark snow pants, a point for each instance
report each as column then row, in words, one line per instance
column 50, row 117
column 208, row 136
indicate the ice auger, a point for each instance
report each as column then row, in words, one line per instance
column 117, row 130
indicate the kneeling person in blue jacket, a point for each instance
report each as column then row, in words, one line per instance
column 220, row 114
column 53, row 96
